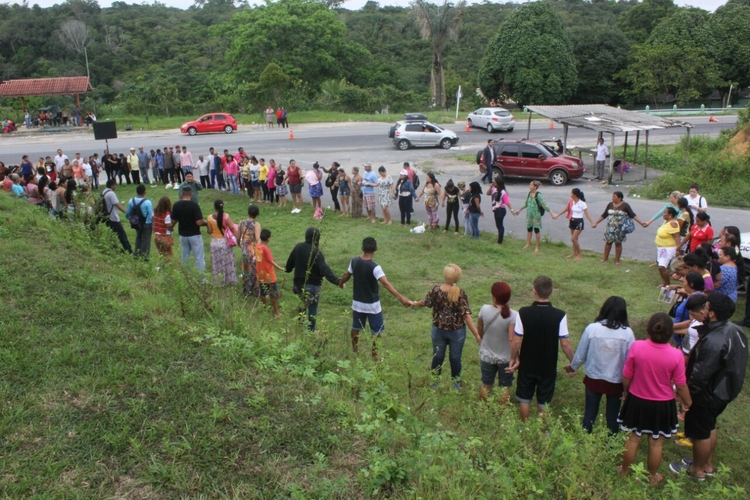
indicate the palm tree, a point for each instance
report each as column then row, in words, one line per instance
column 438, row 23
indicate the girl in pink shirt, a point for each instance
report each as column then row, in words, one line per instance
column 651, row 367
column 231, row 170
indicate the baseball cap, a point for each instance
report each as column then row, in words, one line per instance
column 367, row 164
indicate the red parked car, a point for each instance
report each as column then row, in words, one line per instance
column 212, row 122
column 535, row 160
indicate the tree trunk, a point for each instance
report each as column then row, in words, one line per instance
column 438, row 82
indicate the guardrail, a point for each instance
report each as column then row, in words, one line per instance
column 703, row 110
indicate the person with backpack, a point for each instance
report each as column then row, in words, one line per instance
column 139, row 213
column 109, row 206
column 535, row 207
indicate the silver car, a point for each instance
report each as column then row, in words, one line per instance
column 492, row 119
column 421, row 133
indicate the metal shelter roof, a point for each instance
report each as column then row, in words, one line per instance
column 603, row 118
column 45, row 86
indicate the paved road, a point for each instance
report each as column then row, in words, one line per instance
column 354, row 143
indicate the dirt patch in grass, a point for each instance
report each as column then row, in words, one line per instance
column 739, row 145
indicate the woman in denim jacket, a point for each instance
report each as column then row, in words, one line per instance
column 603, row 348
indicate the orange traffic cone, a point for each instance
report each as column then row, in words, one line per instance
column 291, row 134
column 712, row 119
column 467, row 128
column 551, row 125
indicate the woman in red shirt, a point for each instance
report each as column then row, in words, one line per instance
column 701, row 231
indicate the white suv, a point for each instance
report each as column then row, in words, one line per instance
column 492, row 119
column 416, row 131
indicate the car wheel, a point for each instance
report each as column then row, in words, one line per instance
column 446, row 143
column 228, row 129
column 192, row 131
column 490, row 128
column 497, row 172
column 403, row 144
column 471, row 123
column 558, row 177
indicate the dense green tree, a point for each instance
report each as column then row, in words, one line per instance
column 675, row 60
column 637, row 23
column 438, row 24
column 302, row 36
column 601, row 53
column 531, row 59
column 730, row 26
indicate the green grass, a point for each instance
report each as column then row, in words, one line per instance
column 118, row 381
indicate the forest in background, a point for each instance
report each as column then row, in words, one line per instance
column 307, row 54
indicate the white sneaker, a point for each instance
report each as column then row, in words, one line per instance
column 168, row 186
column 176, row 186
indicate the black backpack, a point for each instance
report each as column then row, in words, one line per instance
column 136, row 217
column 416, row 182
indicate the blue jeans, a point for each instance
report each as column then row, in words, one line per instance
column 232, row 178
column 467, row 229
column 309, row 295
column 453, row 339
column 591, row 411
column 474, row 221
column 193, row 244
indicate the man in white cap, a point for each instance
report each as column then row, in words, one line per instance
column 134, row 166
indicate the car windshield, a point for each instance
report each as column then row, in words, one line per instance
column 549, row 148
column 502, row 112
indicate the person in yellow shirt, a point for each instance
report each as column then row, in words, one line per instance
column 262, row 178
column 667, row 239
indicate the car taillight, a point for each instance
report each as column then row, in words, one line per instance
column 494, row 119
column 398, row 133
column 512, row 118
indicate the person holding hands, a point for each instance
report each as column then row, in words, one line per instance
column 577, row 209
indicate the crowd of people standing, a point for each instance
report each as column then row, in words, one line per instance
column 700, row 375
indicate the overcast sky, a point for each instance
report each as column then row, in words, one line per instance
column 352, row 4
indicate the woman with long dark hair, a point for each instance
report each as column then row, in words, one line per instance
column 431, row 192
column 222, row 255
column 578, row 209
column 500, row 205
column 475, row 208
column 603, row 348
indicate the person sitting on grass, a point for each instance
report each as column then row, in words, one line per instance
column 265, row 264
column 651, row 368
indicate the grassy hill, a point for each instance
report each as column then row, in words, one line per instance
column 118, row 380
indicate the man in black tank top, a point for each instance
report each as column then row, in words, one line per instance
column 539, row 328
column 366, row 297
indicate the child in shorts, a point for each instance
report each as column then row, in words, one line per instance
column 368, row 275
column 265, row 265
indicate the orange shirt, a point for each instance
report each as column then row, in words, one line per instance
column 263, row 264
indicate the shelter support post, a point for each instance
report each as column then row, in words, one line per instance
column 78, row 101
column 624, row 155
column 23, row 104
column 637, row 140
column 611, row 159
column 528, row 127
column 645, row 160
column 565, row 138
